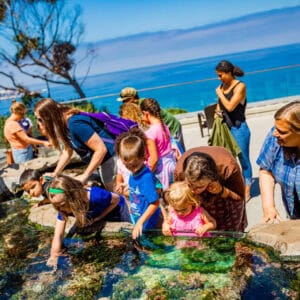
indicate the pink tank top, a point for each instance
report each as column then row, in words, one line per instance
column 187, row 225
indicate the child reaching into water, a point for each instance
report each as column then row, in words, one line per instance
column 186, row 217
column 143, row 196
column 88, row 205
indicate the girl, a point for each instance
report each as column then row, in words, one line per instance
column 186, row 217
column 232, row 105
column 20, row 142
column 88, row 205
column 143, row 196
column 160, row 134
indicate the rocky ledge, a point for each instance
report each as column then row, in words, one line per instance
column 283, row 237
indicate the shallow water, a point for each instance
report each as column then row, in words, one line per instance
column 155, row 267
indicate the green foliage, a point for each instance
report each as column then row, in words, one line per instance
column 176, row 111
column 85, row 106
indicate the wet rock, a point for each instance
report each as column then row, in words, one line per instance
column 284, row 236
column 46, row 215
column 10, row 175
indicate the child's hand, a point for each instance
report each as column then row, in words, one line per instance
column 202, row 230
column 52, row 262
column 166, row 228
column 137, row 230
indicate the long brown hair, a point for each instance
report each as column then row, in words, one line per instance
column 152, row 106
column 52, row 114
column 75, row 198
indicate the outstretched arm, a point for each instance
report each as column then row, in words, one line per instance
column 99, row 149
column 138, row 227
column 56, row 243
column 267, row 186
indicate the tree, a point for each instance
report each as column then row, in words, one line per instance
column 41, row 37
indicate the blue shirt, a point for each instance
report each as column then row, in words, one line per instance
column 81, row 129
column 286, row 171
column 99, row 200
column 142, row 193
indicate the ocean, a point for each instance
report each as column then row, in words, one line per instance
column 270, row 73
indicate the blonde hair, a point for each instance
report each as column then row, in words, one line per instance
column 132, row 111
column 291, row 114
column 17, row 108
column 179, row 195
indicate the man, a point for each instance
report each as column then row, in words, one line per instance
column 130, row 95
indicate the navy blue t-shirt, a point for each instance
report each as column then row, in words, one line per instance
column 81, row 129
column 99, row 200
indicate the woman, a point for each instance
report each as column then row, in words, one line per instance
column 214, row 175
column 65, row 124
column 231, row 105
column 279, row 162
column 19, row 140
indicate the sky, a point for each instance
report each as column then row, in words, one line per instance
column 107, row 19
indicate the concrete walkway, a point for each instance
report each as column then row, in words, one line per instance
column 260, row 118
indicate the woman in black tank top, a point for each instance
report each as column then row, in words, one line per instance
column 232, row 102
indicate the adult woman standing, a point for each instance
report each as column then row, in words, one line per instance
column 279, row 162
column 20, row 142
column 65, row 124
column 232, row 103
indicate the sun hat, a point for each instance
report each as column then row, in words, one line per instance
column 126, row 93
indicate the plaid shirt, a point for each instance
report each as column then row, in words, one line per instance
column 286, row 171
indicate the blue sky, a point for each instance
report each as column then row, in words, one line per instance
column 106, row 19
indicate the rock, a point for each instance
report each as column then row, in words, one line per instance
column 10, row 175
column 283, row 237
column 46, row 215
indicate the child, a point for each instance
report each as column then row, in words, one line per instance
column 35, row 185
column 186, row 217
column 143, row 196
column 160, row 134
column 20, row 142
column 88, row 205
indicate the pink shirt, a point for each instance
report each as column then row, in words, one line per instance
column 163, row 142
column 187, row 225
column 10, row 129
column 122, row 170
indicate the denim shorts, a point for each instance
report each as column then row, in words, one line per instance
column 22, row 155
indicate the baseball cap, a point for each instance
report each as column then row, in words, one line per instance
column 127, row 92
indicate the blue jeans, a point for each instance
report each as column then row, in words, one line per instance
column 22, row 155
column 242, row 137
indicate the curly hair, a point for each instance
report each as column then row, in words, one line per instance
column 75, row 198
